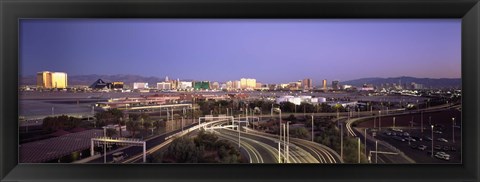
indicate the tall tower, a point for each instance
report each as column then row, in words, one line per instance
column 325, row 84
column 307, row 83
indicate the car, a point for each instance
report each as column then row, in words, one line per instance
column 397, row 130
column 406, row 134
column 413, row 146
column 410, row 139
column 437, row 147
column 398, row 138
column 444, row 157
column 428, row 138
column 446, row 148
column 417, row 138
column 442, row 140
column 118, row 156
column 444, row 154
column 388, row 133
column 422, row 147
column 437, row 132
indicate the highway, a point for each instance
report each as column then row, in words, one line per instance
column 151, row 143
column 259, row 147
column 266, row 145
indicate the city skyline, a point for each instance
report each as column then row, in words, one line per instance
column 233, row 49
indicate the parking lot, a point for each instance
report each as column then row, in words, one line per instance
column 408, row 136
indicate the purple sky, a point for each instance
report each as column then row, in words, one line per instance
column 272, row 51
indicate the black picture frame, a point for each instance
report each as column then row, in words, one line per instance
column 11, row 11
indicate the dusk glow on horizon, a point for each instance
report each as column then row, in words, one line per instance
column 271, row 51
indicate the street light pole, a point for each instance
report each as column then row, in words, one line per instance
column 365, row 140
column 279, row 158
column 379, row 120
column 453, row 130
column 105, row 145
column 393, row 122
column 271, row 112
column 288, row 141
column 238, row 128
column 280, row 123
column 432, row 141
column 284, row 143
column 337, row 114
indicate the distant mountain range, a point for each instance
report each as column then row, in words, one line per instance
column 129, row 79
column 426, row 82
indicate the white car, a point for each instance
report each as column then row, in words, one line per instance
column 442, row 140
column 422, row 147
column 442, row 155
column 118, row 156
column 410, row 139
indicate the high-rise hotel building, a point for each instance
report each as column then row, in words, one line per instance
column 248, row 83
column 324, row 84
column 307, row 84
column 47, row 79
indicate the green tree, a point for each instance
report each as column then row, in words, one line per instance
column 206, row 139
column 147, row 125
column 111, row 132
column 133, row 127
column 183, row 150
column 287, row 107
column 300, row 132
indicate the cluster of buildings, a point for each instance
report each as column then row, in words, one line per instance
column 400, row 86
column 188, row 85
column 297, row 100
column 59, row 80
